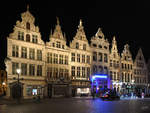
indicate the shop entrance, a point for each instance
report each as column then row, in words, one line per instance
column 16, row 90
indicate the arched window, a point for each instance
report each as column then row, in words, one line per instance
column 27, row 37
column 28, row 25
column 84, row 46
column 94, row 45
column 100, row 46
column 77, row 45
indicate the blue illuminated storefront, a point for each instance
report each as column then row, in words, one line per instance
column 100, row 83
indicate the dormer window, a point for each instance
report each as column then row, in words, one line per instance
column 28, row 25
column 77, row 45
column 94, row 45
column 53, row 44
column 27, row 37
column 84, row 46
column 105, row 47
column 58, row 44
column 63, row 46
column 34, row 39
column 100, row 46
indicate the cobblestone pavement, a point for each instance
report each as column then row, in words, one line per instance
column 78, row 105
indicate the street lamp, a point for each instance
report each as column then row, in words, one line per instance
column 3, row 84
column 18, row 92
column 18, row 72
column 132, row 81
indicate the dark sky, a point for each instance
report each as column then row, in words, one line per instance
column 128, row 21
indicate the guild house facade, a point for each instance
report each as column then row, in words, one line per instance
column 52, row 69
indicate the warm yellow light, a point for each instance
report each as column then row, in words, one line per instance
column 18, row 71
column 3, row 83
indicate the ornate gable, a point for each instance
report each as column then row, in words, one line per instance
column 27, row 19
column 25, row 30
column 140, row 58
column 57, row 32
column 126, row 54
column 99, row 33
column 99, row 36
column 80, row 35
column 114, row 50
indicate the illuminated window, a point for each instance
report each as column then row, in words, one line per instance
column 105, row 58
column 61, row 73
column 31, row 69
column 125, row 77
column 39, row 54
column 83, row 71
column 56, row 58
column 15, row 66
column 27, row 37
column 23, row 52
column 34, row 39
column 114, row 63
column 78, row 57
column 73, row 70
column 31, row 53
column 66, row 75
column 83, row 58
column 49, row 57
column 28, row 25
column 100, row 57
column 114, row 76
column 73, row 57
column 122, row 77
column 88, row 59
column 110, row 63
column 49, row 73
column 128, row 78
column 66, row 59
column 88, row 72
column 78, row 71
column 58, row 44
column 39, row 70
column 15, row 51
column 60, row 59
column 94, row 56
column 106, row 70
column 110, row 75
column 101, row 69
column 20, row 35
column 118, row 77
column 94, row 69
column 23, row 69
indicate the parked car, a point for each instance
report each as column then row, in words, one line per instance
column 109, row 95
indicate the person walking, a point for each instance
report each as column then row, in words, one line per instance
column 142, row 95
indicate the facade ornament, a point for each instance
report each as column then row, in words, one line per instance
column 57, row 20
column 80, row 22
column 99, row 33
column 28, row 7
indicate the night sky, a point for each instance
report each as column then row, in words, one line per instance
column 129, row 22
